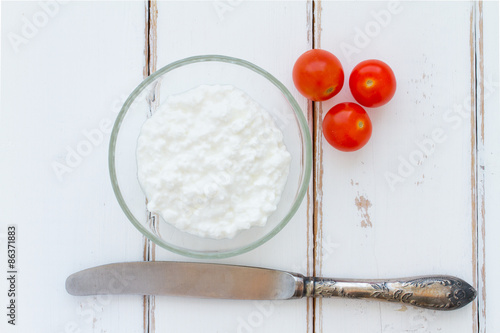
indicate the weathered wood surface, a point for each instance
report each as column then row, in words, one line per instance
column 420, row 198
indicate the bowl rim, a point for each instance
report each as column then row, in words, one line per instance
column 306, row 139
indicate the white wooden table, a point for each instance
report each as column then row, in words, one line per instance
column 420, row 198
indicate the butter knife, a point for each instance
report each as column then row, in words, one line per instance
column 437, row 292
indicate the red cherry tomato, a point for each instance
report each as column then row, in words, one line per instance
column 372, row 83
column 347, row 127
column 318, row 75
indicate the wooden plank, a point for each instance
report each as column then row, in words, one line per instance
column 488, row 168
column 271, row 35
column 62, row 87
column 404, row 205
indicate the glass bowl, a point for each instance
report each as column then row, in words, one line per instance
column 179, row 77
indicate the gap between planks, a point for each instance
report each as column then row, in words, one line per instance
column 480, row 271
column 477, row 166
column 150, row 56
column 317, row 117
column 311, row 241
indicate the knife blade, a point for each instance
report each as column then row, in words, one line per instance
column 438, row 292
column 184, row 279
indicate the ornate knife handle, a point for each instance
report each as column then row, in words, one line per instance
column 431, row 292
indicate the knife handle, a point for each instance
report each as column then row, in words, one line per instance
column 438, row 292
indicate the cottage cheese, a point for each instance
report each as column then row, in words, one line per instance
column 212, row 162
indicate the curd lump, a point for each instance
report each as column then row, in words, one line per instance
column 212, row 162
